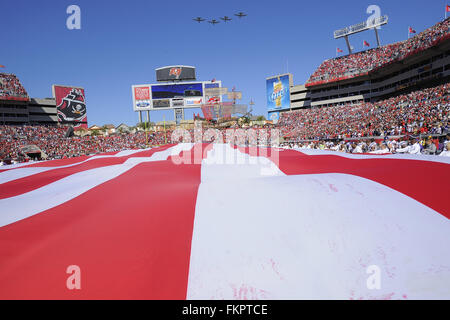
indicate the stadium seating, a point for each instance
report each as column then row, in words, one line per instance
column 362, row 63
column 11, row 88
column 420, row 112
column 52, row 141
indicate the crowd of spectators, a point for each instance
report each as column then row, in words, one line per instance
column 409, row 145
column 10, row 87
column 363, row 62
column 55, row 145
column 421, row 112
column 347, row 128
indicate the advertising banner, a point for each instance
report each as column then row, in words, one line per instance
column 278, row 92
column 193, row 102
column 178, row 116
column 274, row 116
column 142, row 98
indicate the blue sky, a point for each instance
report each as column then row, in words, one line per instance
column 122, row 42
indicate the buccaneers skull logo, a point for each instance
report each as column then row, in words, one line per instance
column 73, row 106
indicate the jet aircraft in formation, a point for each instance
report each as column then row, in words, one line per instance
column 224, row 18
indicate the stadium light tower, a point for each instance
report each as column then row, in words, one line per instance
column 360, row 27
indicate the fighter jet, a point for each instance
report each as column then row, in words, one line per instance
column 226, row 18
column 198, row 19
column 240, row 14
column 214, row 21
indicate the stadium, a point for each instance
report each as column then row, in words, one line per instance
column 401, row 73
column 341, row 194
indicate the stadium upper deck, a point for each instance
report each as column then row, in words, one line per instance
column 379, row 74
column 17, row 108
column 11, row 88
column 366, row 62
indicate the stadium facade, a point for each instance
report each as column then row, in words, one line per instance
column 421, row 69
column 16, row 108
column 35, row 111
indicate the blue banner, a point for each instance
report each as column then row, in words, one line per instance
column 278, row 93
column 274, row 116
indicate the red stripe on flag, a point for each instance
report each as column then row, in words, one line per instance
column 63, row 162
column 130, row 236
column 60, row 162
column 29, row 183
column 424, row 181
column 67, row 161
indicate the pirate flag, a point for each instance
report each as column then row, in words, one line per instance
column 71, row 105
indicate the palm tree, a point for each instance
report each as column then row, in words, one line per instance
column 261, row 118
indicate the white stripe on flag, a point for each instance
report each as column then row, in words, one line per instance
column 17, row 172
column 224, row 163
column 60, row 191
column 421, row 157
column 313, row 237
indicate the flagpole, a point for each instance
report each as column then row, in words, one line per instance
column 146, row 129
column 146, row 136
column 165, row 136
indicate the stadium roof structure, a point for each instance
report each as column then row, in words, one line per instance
column 360, row 27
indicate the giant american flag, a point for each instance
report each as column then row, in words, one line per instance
column 174, row 223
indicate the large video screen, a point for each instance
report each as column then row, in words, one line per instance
column 181, row 90
column 278, row 92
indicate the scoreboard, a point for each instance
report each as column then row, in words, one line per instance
column 171, row 95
